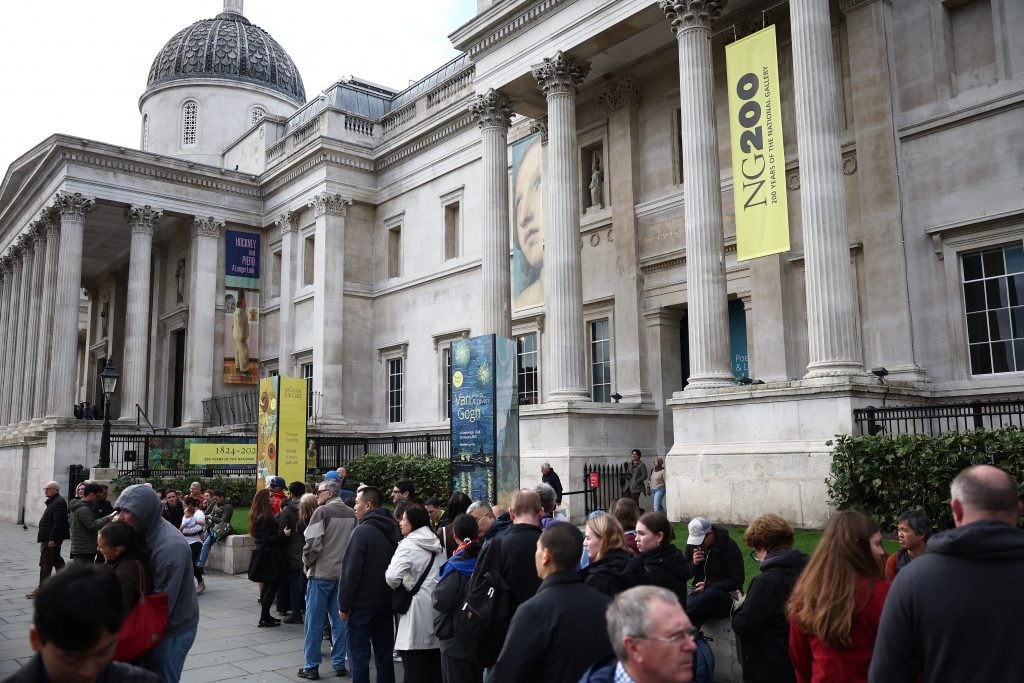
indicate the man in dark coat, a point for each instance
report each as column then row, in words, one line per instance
column 558, row 633
column 365, row 598
column 717, row 571
column 550, row 477
column 172, row 510
column 519, row 544
column 53, row 530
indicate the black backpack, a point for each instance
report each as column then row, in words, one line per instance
column 483, row 621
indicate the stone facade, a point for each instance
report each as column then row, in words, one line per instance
column 385, row 221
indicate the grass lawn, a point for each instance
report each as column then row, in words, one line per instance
column 240, row 520
column 806, row 540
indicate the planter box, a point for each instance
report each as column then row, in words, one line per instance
column 232, row 555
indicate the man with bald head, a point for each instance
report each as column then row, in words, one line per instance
column 952, row 614
column 53, row 530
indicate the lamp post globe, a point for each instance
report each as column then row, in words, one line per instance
column 108, row 384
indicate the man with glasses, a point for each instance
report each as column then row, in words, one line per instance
column 403, row 489
column 326, row 541
column 652, row 638
column 53, row 530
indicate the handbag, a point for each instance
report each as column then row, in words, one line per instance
column 401, row 597
column 144, row 626
column 263, row 564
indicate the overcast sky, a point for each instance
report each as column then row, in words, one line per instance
column 79, row 66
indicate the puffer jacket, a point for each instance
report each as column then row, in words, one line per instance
column 84, row 526
column 53, row 525
column 414, row 554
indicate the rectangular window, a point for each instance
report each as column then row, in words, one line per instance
column 308, row 252
column 307, row 374
column 451, row 231
column 600, row 361
column 527, row 369
column 394, row 251
column 275, row 275
column 395, row 386
column 993, row 285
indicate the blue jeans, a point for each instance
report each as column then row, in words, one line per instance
column 322, row 596
column 366, row 627
column 207, row 544
column 167, row 659
column 295, row 591
column 708, row 605
column 659, row 499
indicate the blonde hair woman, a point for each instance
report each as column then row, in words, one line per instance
column 611, row 569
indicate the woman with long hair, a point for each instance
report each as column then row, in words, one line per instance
column 610, row 569
column 837, row 602
column 663, row 564
column 267, row 563
column 913, row 529
column 125, row 552
column 448, row 597
column 657, row 482
column 627, row 512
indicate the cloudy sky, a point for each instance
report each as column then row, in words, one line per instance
column 79, row 66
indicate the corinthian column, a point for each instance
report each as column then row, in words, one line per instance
column 493, row 114
column 707, row 306
column 28, row 258
column 43, row 357
column 140, row 266
column 833, row 326
column 560, row 77
column 30, row 383
column 286, row 335
column 8, row 330
column 202, row 294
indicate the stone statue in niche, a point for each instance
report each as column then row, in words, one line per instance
column 104, row 314
column 179, row 281
column 596, row 180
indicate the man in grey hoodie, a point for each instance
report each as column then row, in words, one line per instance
column 171, row 560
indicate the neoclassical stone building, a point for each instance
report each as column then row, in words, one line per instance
column 386, row 229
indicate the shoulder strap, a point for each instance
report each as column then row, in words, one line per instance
column 142, row 582
column 423, row 576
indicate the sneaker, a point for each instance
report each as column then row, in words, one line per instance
column 341, row 672
column 200, row 588
column 309, row 674
column 269, row 623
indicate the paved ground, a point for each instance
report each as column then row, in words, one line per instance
column 229, row 647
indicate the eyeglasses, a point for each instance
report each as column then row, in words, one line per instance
column 396, row 491
column 319, row 491
column 753, row 556
column 690, row 633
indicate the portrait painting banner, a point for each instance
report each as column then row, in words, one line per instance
column 527, row 223
column 758, row 152
column 241, row 307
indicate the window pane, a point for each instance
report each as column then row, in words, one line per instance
column 993, row 260
column 977, row 327
column 1015, row 285
column 999, row 324
column 972, row 266
column 1018, row 347
column 1014, row 259
column 995, row 291
column 1002, row 356
column 974, row 296
column 1017, row 315
column 981, row 362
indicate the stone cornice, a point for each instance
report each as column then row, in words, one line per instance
column 286, row 221
column 686, row 14
column 205, row 227
column 72, row 207
column 141, row 218
column 492, row 110
column 424, row 142
column 502, row 30
column 333, row 204
column 621, row 93
column 561, row 74
column 847, row 6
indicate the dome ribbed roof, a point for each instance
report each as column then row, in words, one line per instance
column 230, row 47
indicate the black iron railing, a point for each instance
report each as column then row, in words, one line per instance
column 334, row 451
column 610, row 484
column 939, row 418
column 233, row 409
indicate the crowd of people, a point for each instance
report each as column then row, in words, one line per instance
column 618, row 601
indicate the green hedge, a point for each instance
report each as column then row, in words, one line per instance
column 430, row 476
column 239, row 490
column 886, row 476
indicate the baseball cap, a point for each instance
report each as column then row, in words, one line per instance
column 699, row 528
column 277, row 482
column 331, row 474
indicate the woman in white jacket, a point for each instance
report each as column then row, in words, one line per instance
column 418, row 552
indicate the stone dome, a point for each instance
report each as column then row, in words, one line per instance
column 228, row 47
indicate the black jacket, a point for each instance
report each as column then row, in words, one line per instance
column 760, row 622
column 518, row 546
column 613, row 573
column 552, row 480
column 665, row 566
column 953, row 614
column 115, row 672
column 289, row 518
column 174, row 515
column 722, row 567
column 555, row 635
column 53, row 525
column 369, row 553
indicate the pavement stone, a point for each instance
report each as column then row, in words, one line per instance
column 229, row 647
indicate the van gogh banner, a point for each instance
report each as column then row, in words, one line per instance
column 485, row 418
column 241, row 307
column 281, row 429
column 758, row 153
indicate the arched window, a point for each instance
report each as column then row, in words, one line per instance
column 190, row 123
column 257, row 114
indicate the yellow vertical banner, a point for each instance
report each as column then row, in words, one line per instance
column 291, row 429
column 266, row 433
column 758, row 153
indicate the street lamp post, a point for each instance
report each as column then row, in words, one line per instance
column 108, row 383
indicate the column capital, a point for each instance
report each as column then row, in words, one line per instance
column 326, row 203
column 847, row 6
column 27, row 242
column 72, row 206
column 205, row 227
column 14, row 252
column 686, row 14
column 621, row 93
column 540, row 125
column 561, row 74
column 492, row 110
column 40, row 227
column 141, row 218
column 286, row 221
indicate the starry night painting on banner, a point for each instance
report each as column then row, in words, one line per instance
column 484, row 418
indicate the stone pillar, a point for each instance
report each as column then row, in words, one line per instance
column 72, row 208
column 330, row 211
column 833, row 326
column 12, row 274
column 28, row 253
column 40, row 405
column 286, row 309
column 493, row 113
column 706, row 299
column 560, row 77
column 6, row 275
column 158, row 365
column 136, row 341
column 31, row 380
column 665, row 368
column 205, row 235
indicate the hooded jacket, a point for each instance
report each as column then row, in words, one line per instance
column 418, row 552
column 760, row 622
column 665, row 566
column 953, row 613
column 368, row 556
column 722, row 567
column 448, row 597
column 327, row 538
column 170, row 557
column 613, row 573
column 84, row 525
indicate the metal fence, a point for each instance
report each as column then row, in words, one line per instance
column 243, row 409
column 610, row 480
column 334, row 451
column 936, row 419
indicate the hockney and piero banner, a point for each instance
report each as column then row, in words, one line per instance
column 241, row 307
column 758, row 153
column 281, row 432
column 485, row 418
